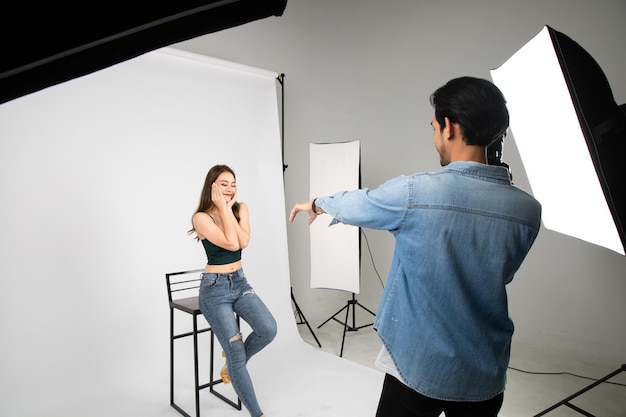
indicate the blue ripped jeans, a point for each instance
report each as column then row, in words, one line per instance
column 221, row 296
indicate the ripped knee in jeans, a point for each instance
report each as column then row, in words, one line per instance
column 235, row 337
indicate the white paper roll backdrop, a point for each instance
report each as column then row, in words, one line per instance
column 99, row 178
column 335, row 254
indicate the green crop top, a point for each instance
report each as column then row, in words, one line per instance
column 219, row 256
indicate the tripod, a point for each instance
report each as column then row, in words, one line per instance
column 350, row 304
column 567, row 400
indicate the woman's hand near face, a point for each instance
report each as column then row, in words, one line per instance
column 217, row 196
column 232, row 201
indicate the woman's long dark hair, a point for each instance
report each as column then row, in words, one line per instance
column 206, row 203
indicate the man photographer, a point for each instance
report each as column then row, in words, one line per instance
column 461, row 234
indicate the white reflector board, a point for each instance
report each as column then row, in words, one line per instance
column 335, row 256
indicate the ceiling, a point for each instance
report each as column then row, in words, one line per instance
column 49, row 43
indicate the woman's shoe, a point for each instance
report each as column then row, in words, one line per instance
column 224, row 372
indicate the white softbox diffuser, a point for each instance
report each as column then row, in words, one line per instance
column 563, row 116
column 335, row 256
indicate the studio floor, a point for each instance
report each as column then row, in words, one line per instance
column 300, row 379
column 527, row 394
column 294, row 377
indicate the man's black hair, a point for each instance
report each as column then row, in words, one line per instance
column 477, row 105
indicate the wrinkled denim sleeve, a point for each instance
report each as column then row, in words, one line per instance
column 382, row 208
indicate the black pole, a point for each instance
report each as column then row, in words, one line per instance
column 281, row 80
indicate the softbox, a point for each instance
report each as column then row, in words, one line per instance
column 570, row 134
column 47, row 43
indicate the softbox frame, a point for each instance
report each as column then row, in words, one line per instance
column 50, row 42
column 564, row 119
column 603, row 122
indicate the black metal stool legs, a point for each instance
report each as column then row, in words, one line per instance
column 197, row 386
column 196, row 370
column 180, row 283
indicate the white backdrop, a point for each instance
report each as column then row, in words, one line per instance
column 335, row 257
column 99, row 179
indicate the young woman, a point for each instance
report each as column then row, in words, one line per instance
column 222, row 225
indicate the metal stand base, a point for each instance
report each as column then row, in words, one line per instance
column 351, row 304
column 300, row 319
column 567, row 400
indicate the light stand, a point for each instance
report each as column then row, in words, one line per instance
column 567, row 400
column 350, row 304
column 300, row 319
column 578, row 119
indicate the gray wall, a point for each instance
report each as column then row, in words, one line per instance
column 364, row 69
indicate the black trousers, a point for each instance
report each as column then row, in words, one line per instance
column 398, row 400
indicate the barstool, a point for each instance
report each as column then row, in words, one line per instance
column 186, row 284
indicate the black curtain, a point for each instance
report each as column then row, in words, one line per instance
column 49, row 43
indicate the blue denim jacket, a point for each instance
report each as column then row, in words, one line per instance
column 461, row 233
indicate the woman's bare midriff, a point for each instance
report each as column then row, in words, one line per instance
column 223, row 269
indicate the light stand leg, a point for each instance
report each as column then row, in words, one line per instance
column 300, row 319
column 567, row 400
column 351, row 304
